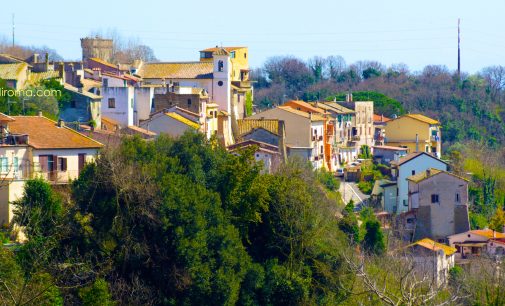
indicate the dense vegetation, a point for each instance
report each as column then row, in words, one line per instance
column 470, row 107
column 171, row 222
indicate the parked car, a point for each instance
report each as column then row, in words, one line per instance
column 339, row 172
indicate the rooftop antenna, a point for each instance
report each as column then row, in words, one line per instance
column 459, row 50
column 13, row 29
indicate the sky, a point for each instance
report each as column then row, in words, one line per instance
column 416, row 33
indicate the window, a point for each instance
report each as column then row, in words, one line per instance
column 46, row 163
column 189, row 102
column 112, row 102
column 413, row 172
column 72, row 104
column 205, row 54
column 434, row 199
column 131, row 102
column 62, row 164
column 15, row 164
column 232, row 54
column 4, row 164
column 457, row 198
column 427, row 149
column 220, row 83
column 105, row 82
column 220, row 66
column 245, row 55
column 321, row 149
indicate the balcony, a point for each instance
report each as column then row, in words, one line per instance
column 435, row 138
column 14, row 139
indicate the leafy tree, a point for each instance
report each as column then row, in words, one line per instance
column 373, row 241
column 497, row 221
column 96, row 294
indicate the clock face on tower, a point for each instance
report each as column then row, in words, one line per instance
column 220, row 83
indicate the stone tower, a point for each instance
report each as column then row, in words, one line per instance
column 96, row 47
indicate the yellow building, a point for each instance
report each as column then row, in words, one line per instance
column 416, row 132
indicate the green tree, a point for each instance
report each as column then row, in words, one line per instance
column 497, row 221
column 373, row 241
column 96, row 294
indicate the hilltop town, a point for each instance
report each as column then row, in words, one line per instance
column 391, row 189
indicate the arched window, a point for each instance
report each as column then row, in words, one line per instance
column 220, row 66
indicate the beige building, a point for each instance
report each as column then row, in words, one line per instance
column 432, row 260
column 34, row 146
column 304, row 133
column 416, row 132
column 439, row 200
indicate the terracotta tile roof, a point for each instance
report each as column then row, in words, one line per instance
column 434, row 246
column 184, row 70
column 303, row 104
column 5, row 118
column 184, row 120
column 228, row 49
column 380, row 118
column 488, row 233
column 419, row 117
column 12, row 71
column 100, row 61
column 135, row 129
column 89, row 83
column 302, row 113
column 411, row 156
column 110, row 121
column 419, row 177
column 245, row 126
column 44, row 133
column 220, row 51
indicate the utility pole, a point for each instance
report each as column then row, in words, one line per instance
column 13, row 29
column 459, row 50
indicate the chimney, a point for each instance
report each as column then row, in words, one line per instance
column 61, row 123
column 61, row 71
column 35, row 58
column 428, row 172
column 310, row 116
column 347, row 97
column 350, row 97
column 47, row 62
column 40, row 113
column 417, row 143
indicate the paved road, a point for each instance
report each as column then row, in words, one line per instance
column 349, row 191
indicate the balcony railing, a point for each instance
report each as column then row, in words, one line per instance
column 355, row 138
column 435, row 138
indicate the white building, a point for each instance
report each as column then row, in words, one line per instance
column 409, row 165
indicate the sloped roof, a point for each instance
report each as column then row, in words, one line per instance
column 412, row 156
column 10, row 59
column 82, row 93
column 263, row 146
column 434, row 246
column 220, row 51
column 247, row 125
column 35, row 78
column 295, row 103
column 419, row 117
column 181, row 70
column 12, row 71
column 391, row 148
column 334, row 106
column 5, row 118
column 100, row 61
column 380, row 118
column 315, row 117
column 44, row 133
column 419, row 177
column 228, row 49
column 184, row 120
column 488, row 233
